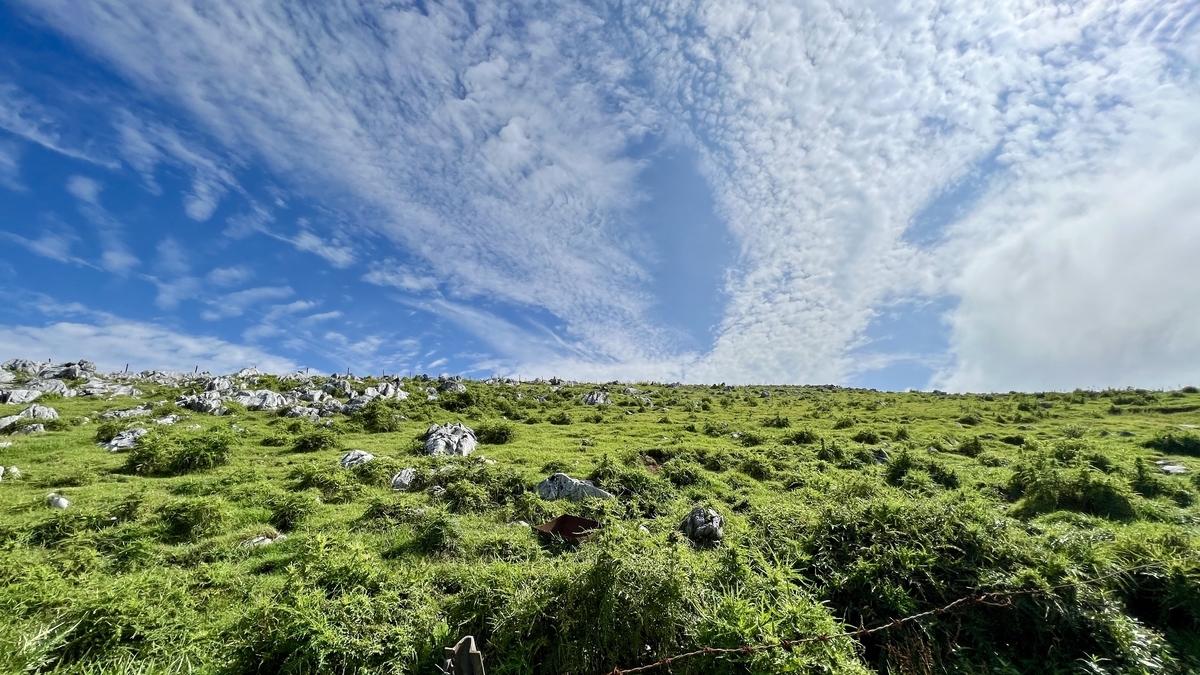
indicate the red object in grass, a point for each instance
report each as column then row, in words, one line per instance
column 569, row 527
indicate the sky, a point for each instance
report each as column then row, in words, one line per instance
column 965, row 196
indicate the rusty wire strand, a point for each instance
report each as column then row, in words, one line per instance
column 1005, row 598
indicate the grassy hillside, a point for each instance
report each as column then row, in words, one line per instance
column 842, row 508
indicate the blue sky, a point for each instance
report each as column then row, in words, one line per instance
column 935, row 195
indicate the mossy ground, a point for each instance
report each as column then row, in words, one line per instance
column 842, row 507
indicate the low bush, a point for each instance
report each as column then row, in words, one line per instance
column 289, row 510
column 1175, row 444
column 163, row 453
column 108, row 430
column 777, row 422
column 866, row 436
column 192, row 519
column 315, row 440
column 1043, row 488
column 560, row 418
column 803, row 437
column 494, row 433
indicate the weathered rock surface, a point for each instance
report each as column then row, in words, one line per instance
column 450, row 439
column 39, row 412
column 220, row 384
column 12, row 472
column 562, row 486
column 32, row 429
column 596, row 398
column 403, row 480
column 22, row 366
column 452, row 386
column 208, row 402
column 57, row 501
column 703, row 526
column 261, row 399
column 354, row 458
column 301, row 412
column 123, row 414
column 6, row 422
column 124, row 440
column 49, row 387
column 19, row 396
column 263, row 541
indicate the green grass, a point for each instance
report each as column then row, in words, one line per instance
column 842, row 508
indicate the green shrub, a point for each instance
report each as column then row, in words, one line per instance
column 466, row 497
column 1044, row 488
column 494, row 433
column 560, row 418
column 803, row 437
column 867, row 437
column 777, row 422
column 682, row 472
column 901, row 465
column 315, row 440
column 192, row 519
column 1175, row 444
column 337, row 485
column 437, row 532
column 290, row 510
column 380, row 416
column 163, row 453
column 108, row 430
column 757, row 468
column 844, row 423
column 752, row 439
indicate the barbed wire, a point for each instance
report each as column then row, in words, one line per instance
column 991, row 599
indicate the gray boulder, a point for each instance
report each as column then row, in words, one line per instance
column 562, row 486
column 354, row 458
column 340, row 388
column 221, row 384
column 12, row 472
column 261, row 399
column 208, row 402
column 123, row 414
column 403, row 480
column 124, row 440
column 168, row 420
column 450, row 439
column 596, row 398
column 452, row 386
column 57, row 501
column 22, row 366
column 7, row 377
column 310, row 395
column 32, row 429
column 301, row 412
column 6, row 422
column 256, row 542
column 39, row 412
column 703, row 526
column 19, row 396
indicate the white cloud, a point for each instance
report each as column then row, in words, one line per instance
column 84, row 189
column 225, row 277
column 54, row 244
column 390, row 273
column 112, row 342
column 335, row 254
column 236, row 303
column 21, row 116
column 10, row 166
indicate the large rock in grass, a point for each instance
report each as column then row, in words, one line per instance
column 403, row 480
column 123, row 414
column 32, row 429
column 57, row 501
column 39, row 412
column 451, row 439
column 596, row 398
column 562, row 486
column 19, row 396
column 124, row 440
column 208, row 402
column 355, row 458
column 51, row 386
column 6, row 422
column 261, row 399
column 7, row 377
column 703, row 526
column 22, row 366
column 301, row 412
column 452, row 386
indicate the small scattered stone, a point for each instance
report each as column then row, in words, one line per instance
column 124, row 414
column 562, row 486
column 703, row 526
column 403, row 480
column 168, row 420
column 57, row 501
column 437, row 491
column 354, row 458
column 263, row 541
column 124, row 440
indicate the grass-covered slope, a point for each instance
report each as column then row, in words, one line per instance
column 842, row 508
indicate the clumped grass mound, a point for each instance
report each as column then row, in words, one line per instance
column 842, row 508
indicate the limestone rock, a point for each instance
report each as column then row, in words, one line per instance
column 340, row 388
column 452, row 386
column 19, row 396
column 354, row 458
column 299, row 411
column 168, row 420
column 261, row 399
column 562, row 486
column 57, row 501
column 32, row 429
column 596, row 398
column 123, row 414
column 39, row 412
column 22, row 366
column 703, row 526
column 6, row 422
column 220, row 384
column 7, row 377
column 208, row 402
column 402, row 481
column 263, row 541
column 124, row 440
column 450, row 439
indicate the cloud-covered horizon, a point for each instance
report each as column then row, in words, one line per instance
column 971, row 197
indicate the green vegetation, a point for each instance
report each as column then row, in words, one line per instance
column 842, row 508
